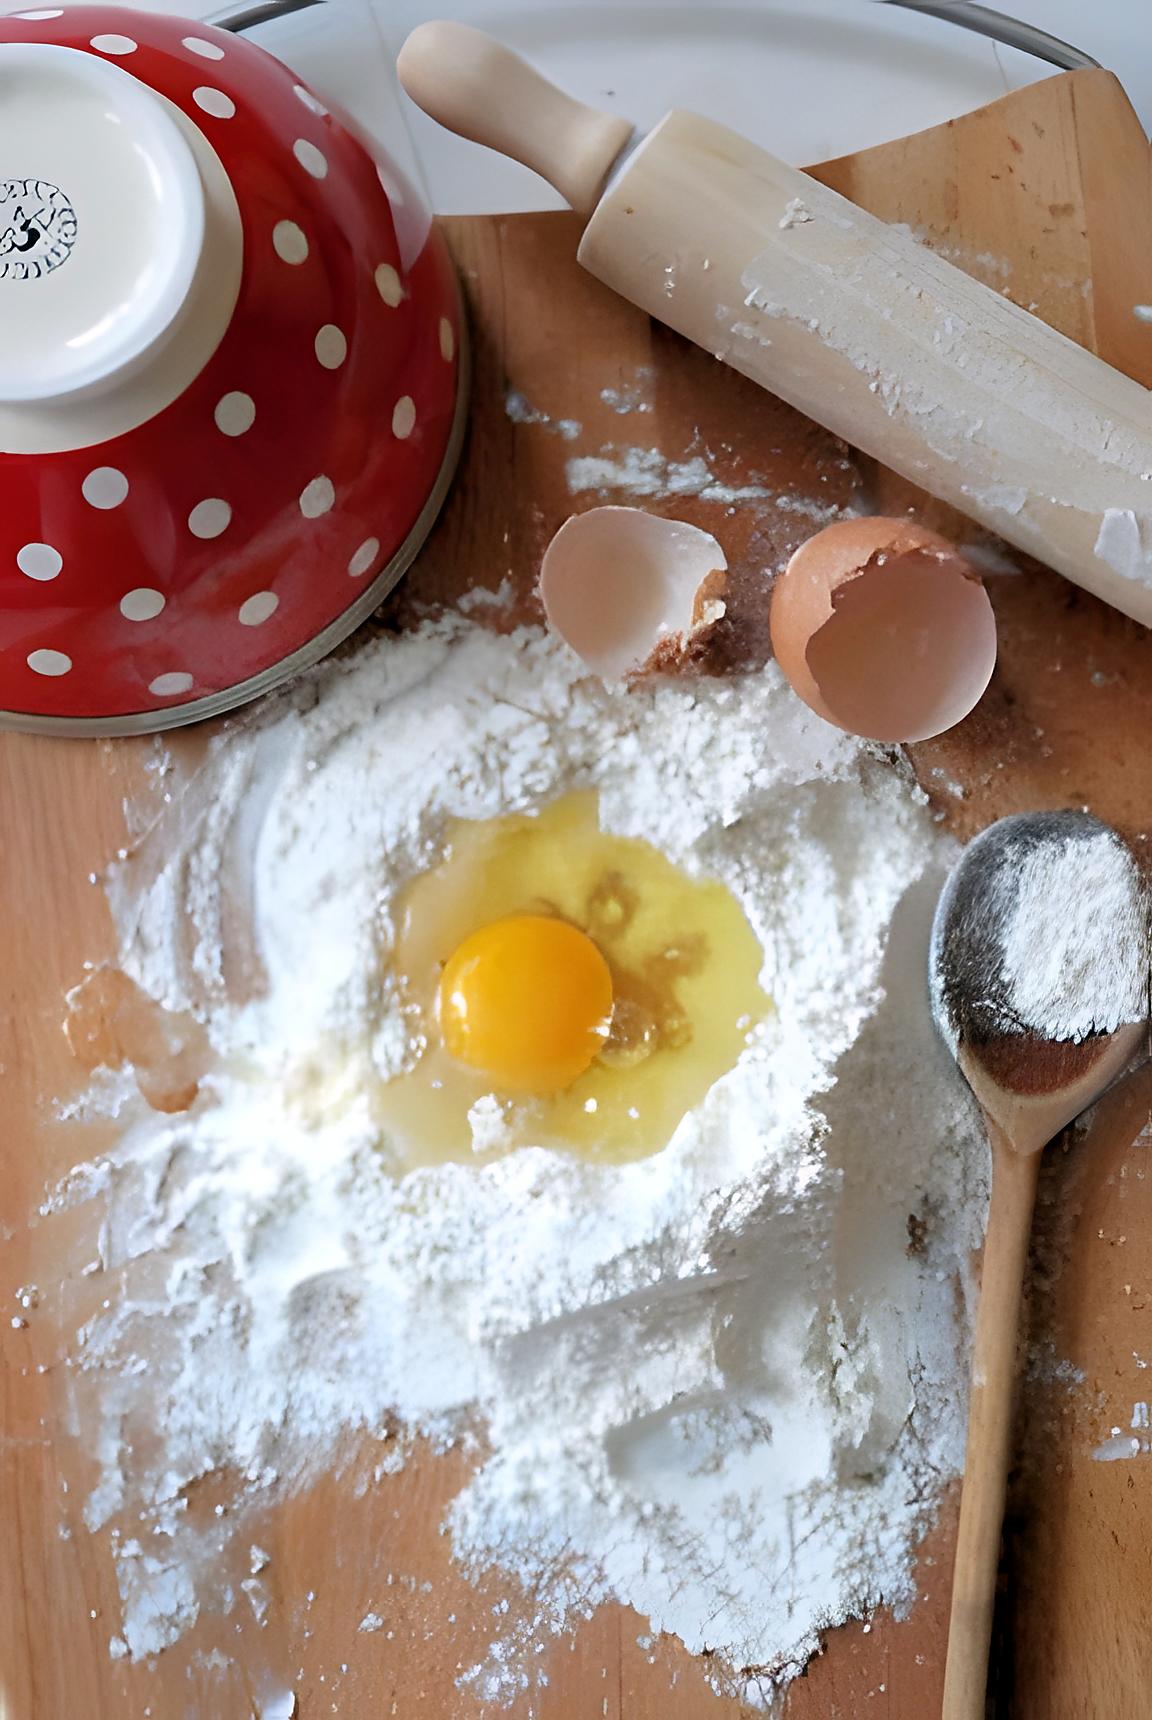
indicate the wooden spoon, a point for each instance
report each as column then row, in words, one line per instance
column 1039, row 974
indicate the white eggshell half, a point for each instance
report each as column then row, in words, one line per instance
column 617, row 584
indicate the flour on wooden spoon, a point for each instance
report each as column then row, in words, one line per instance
column 1019, row 966
column 718, row 1384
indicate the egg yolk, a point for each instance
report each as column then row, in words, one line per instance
column 528, row 1002
column 567, row 900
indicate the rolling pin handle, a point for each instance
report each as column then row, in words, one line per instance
column 484, row 92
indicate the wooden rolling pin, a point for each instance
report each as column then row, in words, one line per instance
column 850, row 320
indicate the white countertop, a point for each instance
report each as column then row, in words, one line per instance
column 808, row 79
column 805, row 78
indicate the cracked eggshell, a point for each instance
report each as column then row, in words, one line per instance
column 884, row 629
column 630, row 591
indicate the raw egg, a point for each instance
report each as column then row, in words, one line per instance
column 528, row 1002
column 631, row 591
column 884, row 629
column 563, row 987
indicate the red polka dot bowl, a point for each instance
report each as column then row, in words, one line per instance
column 231, row 394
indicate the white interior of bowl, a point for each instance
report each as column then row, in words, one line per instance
column 101, row 225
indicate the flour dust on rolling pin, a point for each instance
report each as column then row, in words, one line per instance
column 864, row 329
column 848, row 319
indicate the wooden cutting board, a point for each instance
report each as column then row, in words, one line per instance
column 1046, row 195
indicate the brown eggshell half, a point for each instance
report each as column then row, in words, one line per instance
column 628, row 590
column 884, row 629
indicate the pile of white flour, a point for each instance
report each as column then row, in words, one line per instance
column 720, row 1384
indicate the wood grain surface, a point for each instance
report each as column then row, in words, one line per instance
column 1047, row 195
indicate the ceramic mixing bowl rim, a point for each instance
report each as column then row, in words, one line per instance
column 980, row 20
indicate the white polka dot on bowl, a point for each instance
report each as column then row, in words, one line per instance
column 311, row 102
column 39, row 561
column 404, row 417
column 49, row 663
column 235, row 413
column 388, row 285
column 214, row 102
column 114, row 44
column 166, row 686
column 317, row 498
column 447, row 340
column 206, row 50
column 209, row 518
column 104, row 487
column 255, row 610
column 365, row 558
column 331, row 346
column 143, row 604
column 289, row 242
column 311, row 159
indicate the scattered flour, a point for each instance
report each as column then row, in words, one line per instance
column 159, row 1600
column 648, row 472
column 796, row 214
column 1121, row 1448
column 1009, row 500
column 720, row 1383
column 521, row 411
column 282, row 1707
column 1123, row 543
column 630, row 397
column 482, row 597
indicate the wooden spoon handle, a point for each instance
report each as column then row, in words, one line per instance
column 486, row 93
column 1014, row 1178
